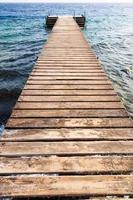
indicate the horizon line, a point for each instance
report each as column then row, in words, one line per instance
column 127, row 2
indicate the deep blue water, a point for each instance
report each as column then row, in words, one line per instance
column 109, row 29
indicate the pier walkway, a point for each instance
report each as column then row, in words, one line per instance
column 68, row 135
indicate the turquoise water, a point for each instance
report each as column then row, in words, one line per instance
column 109, row 29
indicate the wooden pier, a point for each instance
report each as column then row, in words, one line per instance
column 51, row 20
column 68, row 135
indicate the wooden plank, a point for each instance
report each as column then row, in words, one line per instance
column 67, row 60
column 69, row 64
column 65, row 67
column 64, row 47
column 68, row 92
column 77, row 58
column 68, row 82
column 53, row 70
column 66, row 78
column 69, row 122
column 70, row 113
column 80, row 51
column 22, row 186
column 67, row 44
column 68, row 105
column 90, row 54
column 70, row 54
column 69, row 98
column 83, row 51
column 66, row 165
column 100, row 74
column 77, row 52
column 89, row 68
column 47, row 58
column 88, row 65
column 67, row 134
column 70, row 49
column 66, row 148
column 69, row 87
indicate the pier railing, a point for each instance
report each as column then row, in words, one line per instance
column 51, row 20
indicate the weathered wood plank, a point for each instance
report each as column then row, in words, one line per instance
column 66, row 148
column 65, row 61
column 100, row 74
column 68, row 66
column 67, row 134
column 69, row 98
column 69, row 87
column 80, row 56
column 63, row 58
column 69, row 82
column 66, row 78
column 82, row 69
column 70, row 113
column 74, row 65
column 68, row 44
column 68, row 105
column 66, row 165
column 83, row 51
column 69, row 122
column 66, row 185
column 66, row 70
column 70, row 51
column 70, row 54
column 68, row 92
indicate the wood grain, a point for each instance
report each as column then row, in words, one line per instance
column 68, row 105
column 66, row 185
column 69, row 87
column 70, row 113
column 68, row 92
column 68, row 82
column 72, row 98
column 69, row 122
column 66, row 165
column 67, row 134
column 66, row 148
